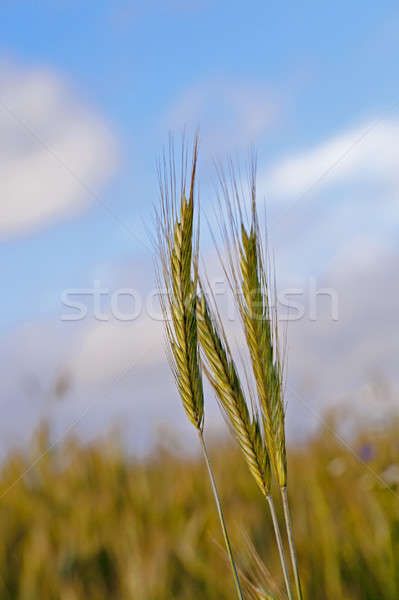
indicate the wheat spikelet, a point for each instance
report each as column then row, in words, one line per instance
column 223, row 376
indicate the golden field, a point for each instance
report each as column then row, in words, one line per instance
column 86, row 521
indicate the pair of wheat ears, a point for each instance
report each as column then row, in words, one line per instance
column 197, row 340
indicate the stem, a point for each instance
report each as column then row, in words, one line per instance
column 221, row 517
column 280, row 546
column 288, row 523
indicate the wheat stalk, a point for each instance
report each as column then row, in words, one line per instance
column 291, row 542
column 179, row 272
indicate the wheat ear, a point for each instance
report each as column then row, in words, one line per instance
column 223, row 376
column 262, row 338
column 247, row 275
column 179, row 269
column 257, row 320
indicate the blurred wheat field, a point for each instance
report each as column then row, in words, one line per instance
column 88, row 522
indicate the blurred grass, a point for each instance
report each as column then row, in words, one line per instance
column 87, row 522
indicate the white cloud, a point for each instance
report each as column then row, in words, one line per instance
column 52, row 150
column 361, row 155
column 330, row 359
column 229, row 113
column 109, row 349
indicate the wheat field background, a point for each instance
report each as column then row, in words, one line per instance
column 88, row 521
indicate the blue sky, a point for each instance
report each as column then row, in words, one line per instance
column 328, row 66
column 298, row 80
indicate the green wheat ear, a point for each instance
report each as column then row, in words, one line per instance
column 262, row 344
column 175, row 241
column 246, row 270
column 223, row 376
column 179, row 272
column 244, row 266
column 262, row 340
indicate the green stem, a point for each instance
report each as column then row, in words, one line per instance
column 280, row 546
column 288, row 523
column 221, row 517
